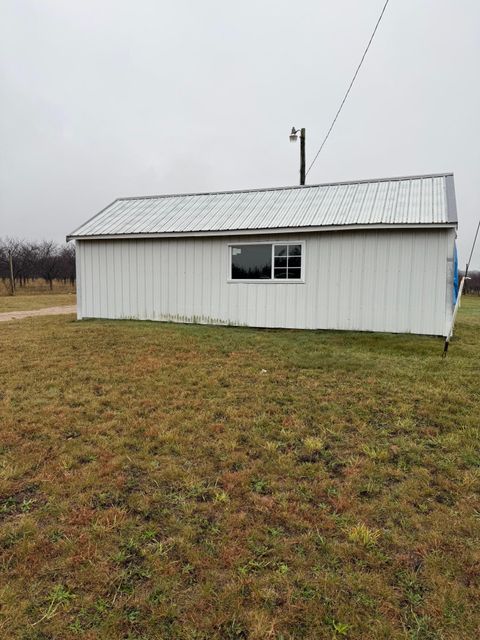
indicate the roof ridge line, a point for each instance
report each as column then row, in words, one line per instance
column 287, row 188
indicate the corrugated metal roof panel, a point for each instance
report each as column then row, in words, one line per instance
column 426, row 199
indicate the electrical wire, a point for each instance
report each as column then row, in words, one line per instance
column 349, row 86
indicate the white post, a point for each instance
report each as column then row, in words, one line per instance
column 454, row 316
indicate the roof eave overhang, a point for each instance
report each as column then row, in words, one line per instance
column 451, row 199
column 273, row 231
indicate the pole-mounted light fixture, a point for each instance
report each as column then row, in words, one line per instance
column 293, row 138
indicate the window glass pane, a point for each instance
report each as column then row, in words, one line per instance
column 280, row 249
column 280, row 273
column 280, row 262
column 252, row 262
column 294, row 274
column 294, row 249
column 295, row 261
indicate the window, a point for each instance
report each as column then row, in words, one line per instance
column 266, row 261
column 287, row 261
column 252, row 262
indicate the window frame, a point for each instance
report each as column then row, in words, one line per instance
column 271, row 280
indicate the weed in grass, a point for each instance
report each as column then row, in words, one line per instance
column 305, row 592
column 453, row 612
column 254, row 565
column 20, row 502
column 150, row 536
column 131, row 559
column 10, row 539
column 340, row 628
column 76, row 627
column 314, row 443
column 58, row 597
column 132, row 615
column 102, row 606
column 410, row 583
column 375, row 453
column 220, row 497
column 419, row 627
column 260, row 486
column 86, row 458
column 370, row 488
column 232, row 630
column 361, row 534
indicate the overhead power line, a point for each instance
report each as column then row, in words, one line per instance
column 349, row 86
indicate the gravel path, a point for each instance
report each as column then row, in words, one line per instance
column 50, row 311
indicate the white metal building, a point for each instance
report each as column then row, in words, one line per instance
column 374, row 255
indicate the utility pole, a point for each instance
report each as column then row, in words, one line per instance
column 293, row 138
column 302, row 156
column 12, row 279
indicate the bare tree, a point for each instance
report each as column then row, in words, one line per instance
column 66, row 263
column 10, row 252
column 30, row 260
column 48, row 261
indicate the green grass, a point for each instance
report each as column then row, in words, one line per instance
column 163, row 481
column 37, row 301
column 36, row 287
column 36, row 294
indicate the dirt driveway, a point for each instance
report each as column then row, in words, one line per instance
column 50, row 311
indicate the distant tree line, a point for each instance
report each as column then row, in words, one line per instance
column 32, row 260
column 473, row 284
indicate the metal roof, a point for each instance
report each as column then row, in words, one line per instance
column 413, row 200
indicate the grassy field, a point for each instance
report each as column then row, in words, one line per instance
column 36, row 295
column 164, row 481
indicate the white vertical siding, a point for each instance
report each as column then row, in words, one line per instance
column 449, row 242
column 80, row 278
column 397, row 281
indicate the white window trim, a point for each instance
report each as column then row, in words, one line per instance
column 272, row 280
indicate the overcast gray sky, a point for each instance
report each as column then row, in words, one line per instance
column 107, row 98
